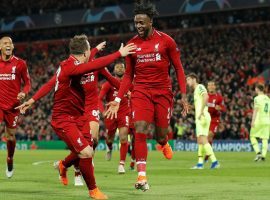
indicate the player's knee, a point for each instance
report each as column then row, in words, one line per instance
column 87, row 152
column 141, row 127
column 123, row 139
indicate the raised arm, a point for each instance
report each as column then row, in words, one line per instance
column 101, row 62
column 103, row 92
column 111, row 79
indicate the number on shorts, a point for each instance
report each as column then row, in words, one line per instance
column 266, row 108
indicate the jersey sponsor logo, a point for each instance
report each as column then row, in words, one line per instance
column 149, row 57
column 9, row 77
column 88, row 78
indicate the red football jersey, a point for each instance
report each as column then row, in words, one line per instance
column 213, row 101
column 89, row 83
column 149, row 66
column 110, row 93
column 12, row 73
column 69, row 97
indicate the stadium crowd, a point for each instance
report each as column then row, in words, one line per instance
column 229, row 56
column 48, row 6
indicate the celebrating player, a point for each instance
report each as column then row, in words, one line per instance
column 260, row 125
column 215, row 108
column 68, row 107
column 202, row 119
column 13, row 71
column 152, row 97
column 122, row 122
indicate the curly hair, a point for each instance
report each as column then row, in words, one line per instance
column 145, row 7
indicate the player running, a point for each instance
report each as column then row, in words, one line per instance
column 122, row 122
column 68, row 107
column 13, row 71
column 89, row 83
column 152, row 97
column 260, row 124
column 202, row 119
column 215, row 108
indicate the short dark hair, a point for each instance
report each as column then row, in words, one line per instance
column 145, row 7
column 260, row 87
column 193, row 76
column 78, row 44
column 211, row 82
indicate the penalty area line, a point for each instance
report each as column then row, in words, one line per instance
column 42, row 162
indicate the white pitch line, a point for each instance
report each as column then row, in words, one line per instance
column 42, row 162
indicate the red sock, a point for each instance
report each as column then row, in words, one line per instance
column 70, row 160
column 141, row 152
column 11, row 145
column 163, row 142
column 87, row 171
column 123, row 152
column 109, row 144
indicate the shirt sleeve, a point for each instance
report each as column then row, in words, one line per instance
column 45, row 89
column 26, row 78
column 104, row 90
column 256, row 103
column 221, row 104
column 93, row 65
column 174, row 55
column 128, row 77
column 111, row 79
column 202, row 90
column 93, row 53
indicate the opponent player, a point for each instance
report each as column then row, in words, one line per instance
column 215, row 108
column 202, row 119
column 152, row 97
column 13, row 71
column 68, row 107
column 260, row 124
column 122, row 122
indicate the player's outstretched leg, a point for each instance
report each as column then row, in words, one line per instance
column 141, row 156
column 264, row 148
column 58, row 165
column 162, row 139
column 209, row 151
column 255, row 145
column 123, row 136
column 109, row 142
column 78, row 180
column 200, row 158
column 11, row 145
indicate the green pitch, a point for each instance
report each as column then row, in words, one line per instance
column 238, row 178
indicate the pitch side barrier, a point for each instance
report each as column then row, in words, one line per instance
column 177, row 145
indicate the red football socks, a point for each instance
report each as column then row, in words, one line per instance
column 70, row 160
column 87, row 171
column 141, row 152
column 11, row 145
column 123, row 152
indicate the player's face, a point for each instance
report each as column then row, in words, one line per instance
column 119, row 69
column 143, row 24
column 6, row 46
column 211, row 87
column 190, row 82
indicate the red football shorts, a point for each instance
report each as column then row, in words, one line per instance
column 152, row 105
column 214, row 126
column 10, row 117
column 70, row 130
column 122, row 120
column 92, row 115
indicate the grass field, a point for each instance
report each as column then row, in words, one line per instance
column 239, row 178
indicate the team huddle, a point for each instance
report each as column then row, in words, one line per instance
column 138, row 95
